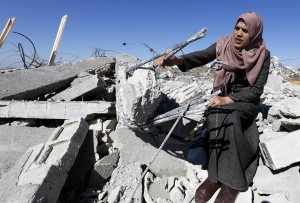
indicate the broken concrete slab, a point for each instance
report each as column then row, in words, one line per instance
column 103, row 169
column 286, row 182
column 138, row 95
column 290, row 124
column 15, row 140
column 281, row 152
column 54, row 110
column 92, row 83
column 291, row 90
column 290, row 107
column 277, row 197
column 10, row 192
column 35, row 181
column 80, row 78
column 141, row 147
column 30, row 83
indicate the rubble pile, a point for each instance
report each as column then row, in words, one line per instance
column 87, row 132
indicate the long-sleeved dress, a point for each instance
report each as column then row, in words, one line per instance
column 233, row 133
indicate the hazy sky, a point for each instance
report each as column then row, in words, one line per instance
column 124, row 26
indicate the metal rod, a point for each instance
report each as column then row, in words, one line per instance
column 159, row 149
column 172, row 51
column 197, row 106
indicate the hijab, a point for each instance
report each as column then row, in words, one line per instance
column 250, row 59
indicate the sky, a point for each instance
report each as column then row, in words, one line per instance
column 117, row 26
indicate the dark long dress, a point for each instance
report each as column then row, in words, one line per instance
column 233, row 134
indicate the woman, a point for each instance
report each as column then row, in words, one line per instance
column 233, row 136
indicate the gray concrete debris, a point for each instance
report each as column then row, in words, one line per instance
column 109, row 125
column 183, row 88
column 42, row 182
column 141, row 147
column 103, row 170
column 104, row 70
column 124, row 179
column 123, row 154
column 274, row 83
column 137, row 95
column 290, row 107
column 290, row 124
column 92, row 83
column 31, row 83
column 280, row 152
column 14, row 142
column 54, row 110
column 154, row 191
column 169, row 189
column 267, row 183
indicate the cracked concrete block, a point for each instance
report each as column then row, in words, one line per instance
column 267, row 182
column 141, row 147
column 54, row 110
column 30, row 83
column 103, row 169
column 45, row 168
column 80, row 78
column 290, row 124
column 15, row 140
column 92, row 83
column 290, row 107
column 138, row 94
column 280, row 152
column 278, row 197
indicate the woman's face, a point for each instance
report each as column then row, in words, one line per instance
column 241, row 36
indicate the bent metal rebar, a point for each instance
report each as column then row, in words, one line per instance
column 170, row 52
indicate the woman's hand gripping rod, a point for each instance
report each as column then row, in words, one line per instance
column 170, row 52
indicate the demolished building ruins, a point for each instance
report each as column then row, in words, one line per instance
column 81, row 133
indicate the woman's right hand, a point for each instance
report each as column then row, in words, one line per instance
column 173, row 60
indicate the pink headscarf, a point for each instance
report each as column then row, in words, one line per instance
column 251, row 58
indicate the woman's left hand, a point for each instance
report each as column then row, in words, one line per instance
column 219, row 101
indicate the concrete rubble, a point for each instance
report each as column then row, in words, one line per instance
column 54, row 110
column 85, row 132
column 21, row 85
